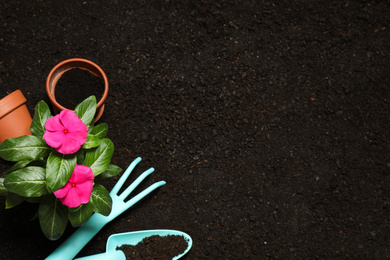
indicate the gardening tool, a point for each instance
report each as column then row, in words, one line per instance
column 72, row 246
column 133, row 238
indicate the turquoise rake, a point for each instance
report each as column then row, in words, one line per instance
column 73, row 245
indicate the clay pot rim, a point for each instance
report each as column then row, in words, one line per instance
column 11, row 101
column 75, row 63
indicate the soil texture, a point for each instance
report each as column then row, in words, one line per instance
column 269, row 120
column 156, row 247
column 76, row 85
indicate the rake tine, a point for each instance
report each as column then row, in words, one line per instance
column 125, row 175
column 130, row 189
column 144, row 193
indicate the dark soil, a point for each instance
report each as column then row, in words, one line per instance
column 76, row 85
column 269, row 120
column 156, row 247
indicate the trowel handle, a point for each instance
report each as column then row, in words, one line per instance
column 73, row 245
column 111, row 255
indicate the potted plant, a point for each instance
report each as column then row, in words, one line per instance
column 59, row 166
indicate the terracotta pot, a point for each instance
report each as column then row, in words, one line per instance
column 15, row 120
column 76, row 63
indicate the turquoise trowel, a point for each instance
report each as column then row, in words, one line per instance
column 133, row 238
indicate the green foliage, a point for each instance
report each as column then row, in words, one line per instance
column 92, row 142
column 101, row 200
column 86, row 110
column 24, row 148
column 53, row 217
column 111, row 171
column 59, row 168
column 27, row 182
column 13, row 200
column 100, row 131
column 80, row 156
column 99, row 158
column 3, row 190
column 17, row 166
column 81, row 215
column 41, row 115
column 39, row 170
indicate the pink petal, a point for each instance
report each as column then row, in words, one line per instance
column 53, row 139
column 61, row 193
column 82, row 174
column 79, row 187
column 79, row 127
column 69, row 144
column 71, row 121
column 72, row 200
column 80, row 136
column 84, row 191
column 54, row 124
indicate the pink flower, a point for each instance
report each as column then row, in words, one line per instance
column 65, row 132
column 78, row 189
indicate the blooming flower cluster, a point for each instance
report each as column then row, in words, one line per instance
column 60, row 166
column 66, row 132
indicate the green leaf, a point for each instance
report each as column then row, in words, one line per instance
column 13, row 200
column 59, row 168
column 86, row 110
column 92, row 142
column 40, row 163
column 111, row 171
column 3, row 190
column 75, row 209
column 99, row 158
column 90, row 128
column 79, row 217
column 42, row 113
column 101, row 200
column 17, row 166
column 80, row 156
column 100, row 131
column 34, row 200
column 27, row 182
column 24, row 148
column 53, row 217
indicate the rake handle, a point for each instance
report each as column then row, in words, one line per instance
column 73, row 244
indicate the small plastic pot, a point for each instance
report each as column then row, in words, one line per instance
column 15, row 119
column 76, row 63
